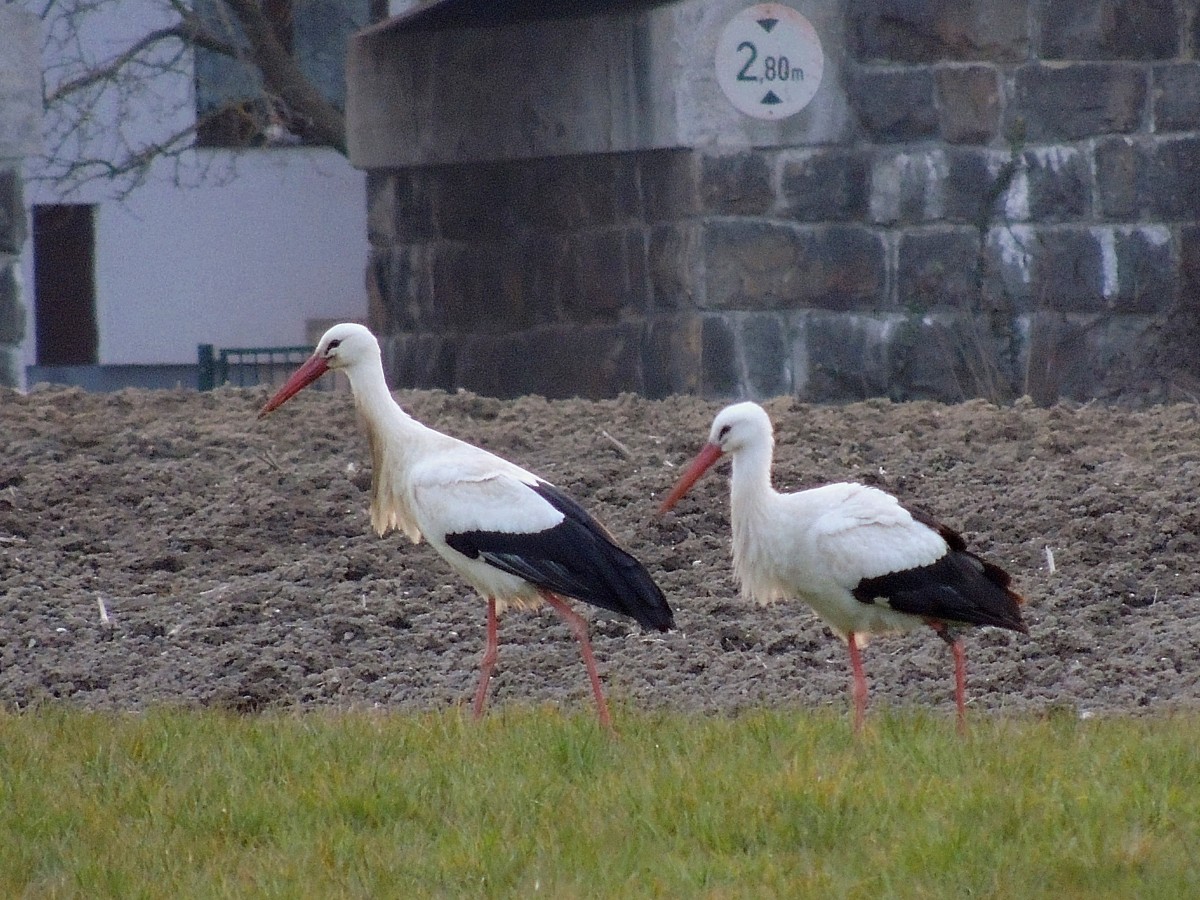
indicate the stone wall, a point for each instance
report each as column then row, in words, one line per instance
column 20, row 120
column 1006, row 204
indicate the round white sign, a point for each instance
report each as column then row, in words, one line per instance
column 769, row 61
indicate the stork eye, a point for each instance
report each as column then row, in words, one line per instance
column 333, row 345
column 724, row 431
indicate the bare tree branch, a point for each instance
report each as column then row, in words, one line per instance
column 184, row 32
column 284, row 78
column 98, row 103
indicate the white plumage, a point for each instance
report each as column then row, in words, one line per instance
column 514, row 537
column 862, row 561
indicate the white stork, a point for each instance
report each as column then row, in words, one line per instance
column 862, row 561
column 514, row 537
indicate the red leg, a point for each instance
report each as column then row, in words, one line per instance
column 578, row 626
column 859, row 687
column 960, row 684
column 488, row 664
column 960, row 671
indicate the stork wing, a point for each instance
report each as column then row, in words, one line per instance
column 913, row 564
column 531, row 529
column 866, row 533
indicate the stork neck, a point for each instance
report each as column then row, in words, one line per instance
column 379, row 409
column 750, row 480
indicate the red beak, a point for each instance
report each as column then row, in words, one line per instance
column 313, row 369
column 708, row 455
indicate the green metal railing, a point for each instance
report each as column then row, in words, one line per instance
column 246, row 366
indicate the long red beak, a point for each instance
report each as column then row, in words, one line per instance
column 708, row 455
column 313, row 369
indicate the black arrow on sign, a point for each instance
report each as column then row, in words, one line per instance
column 770, row 99
column 767, row 24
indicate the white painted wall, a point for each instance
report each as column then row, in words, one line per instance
column 236, row 265
column 268, row 239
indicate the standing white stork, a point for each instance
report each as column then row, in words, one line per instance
column 514, row 537
column 862, row 561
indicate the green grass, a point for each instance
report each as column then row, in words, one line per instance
column 204, row 804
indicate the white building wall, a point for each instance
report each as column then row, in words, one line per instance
column 217, row 247
column 236, row 265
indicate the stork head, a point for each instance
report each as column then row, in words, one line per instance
column 736, row 428
column 344, row 346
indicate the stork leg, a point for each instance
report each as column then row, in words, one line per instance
column 960, row 672
column 578, row 626
column 859, row 688
column 488, row 664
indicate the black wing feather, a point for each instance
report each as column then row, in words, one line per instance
column 959, row 587
column 577, row 558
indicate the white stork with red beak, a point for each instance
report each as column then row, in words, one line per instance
column 862, row 561
column 514, row 537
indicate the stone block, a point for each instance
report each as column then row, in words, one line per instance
column 10, row 367
column 568, row 193
column 1058, row 357
column 938, row 268
column 826, row 185
column 671, row 358
column 1120, row 166
column 381, row 208
column 1180, row 339
column 402, row 278
column 924, row 32
column 1156, row 178
column 764, row 265
column 736, row 184
column 545, row 269
column 673, row 266
column 1050, row 184
column 471, row 293
column 974, row 186
column 593, row 361
column 894, row 105
column 948, row 357
column 599, row 288
column 1110, row 29
column 400, row 207
column 960, row 185
column 1083, row 357
column 473, row 203
column 12, row 211
column 1177, row 97
column 1189, row 265
column 670, row 184
column 637, row 273
column 419, row 360
column 1146, row 268
column 20, row 83
column 1065, row 103
column 907, row 187
column 720, row 373
column 1072, row 270
column 1061, row 268
column 12, row 310
column 846, row 357
column 766, row 356
column 1172, row 180
column 498, row 365
column 968, row 101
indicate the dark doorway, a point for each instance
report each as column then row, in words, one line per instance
column 64, row 285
